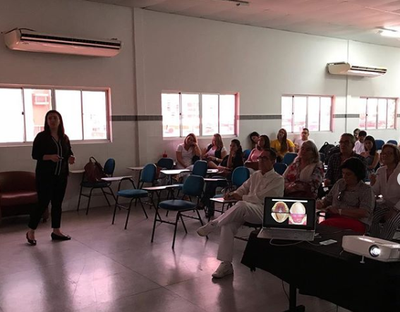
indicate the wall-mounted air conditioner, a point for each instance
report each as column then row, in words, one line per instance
column 32, row 41
column 343, row 68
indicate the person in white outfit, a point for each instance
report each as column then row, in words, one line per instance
column 249, row 208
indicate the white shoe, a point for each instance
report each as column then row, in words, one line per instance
column 206, row 229
column 224, row 269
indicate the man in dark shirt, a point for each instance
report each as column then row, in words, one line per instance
column 346, row 145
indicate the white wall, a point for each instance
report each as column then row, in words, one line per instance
column 82, row 19
column 190, row 54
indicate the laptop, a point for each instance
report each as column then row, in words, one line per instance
column 289, row 219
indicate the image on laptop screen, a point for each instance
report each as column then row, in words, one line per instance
column 289, row 213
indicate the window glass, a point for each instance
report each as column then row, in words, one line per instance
column 227, row 114
column 371, row 113
column 300, row 113
column 382, row 116
column 209, row 116
column 325, row 114
column 362, row 104
column 94, row 115
column 170, row 113
column 287, row 107
column 37, row 104
column 190, row 114
column 11, row 116
column 70, row 108
column 313, row 114
column 391, row 113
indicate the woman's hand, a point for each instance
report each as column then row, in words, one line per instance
column 52, row 157
column 71, row 159
column 333, row 210
column 372, row 178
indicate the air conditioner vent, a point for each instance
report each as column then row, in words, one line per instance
column 344, row 68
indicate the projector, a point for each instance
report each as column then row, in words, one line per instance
column 371, row 247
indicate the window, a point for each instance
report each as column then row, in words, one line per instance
column 377, row 113
column 306, row 111
column 22, row 112
column 201, row 114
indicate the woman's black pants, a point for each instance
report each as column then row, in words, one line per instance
column 49, row 189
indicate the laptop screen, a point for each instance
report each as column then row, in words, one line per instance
column 289, row 213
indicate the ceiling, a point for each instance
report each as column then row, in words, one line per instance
column 346, row 19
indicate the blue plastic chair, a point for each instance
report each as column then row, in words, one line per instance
column 240, row 175
column 200, row 168
column 246, row 154
column 166, row 163
column 280, row 168
column 288, row 158
column 392, row 142
column 379, row 143
column 109, row 168
column 193, row 186
column 147, row 176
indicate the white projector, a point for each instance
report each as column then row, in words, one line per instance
column 371, row 247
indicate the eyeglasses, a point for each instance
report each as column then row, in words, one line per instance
column 340, row 196
column 344, row 142
column 263, row 158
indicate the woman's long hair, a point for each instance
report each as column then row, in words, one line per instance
column 311, row 144
column 192, row 135
column 218, row 141
column 237, row 143
column 267, row 143
column 396, row 152
column 60, row 131
column 371, row 139
column 283, row 142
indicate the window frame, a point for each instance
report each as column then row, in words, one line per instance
column 365, row 110
column 307, row 96
column 200, row 108
column 53, row 88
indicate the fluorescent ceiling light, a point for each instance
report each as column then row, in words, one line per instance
column 389, row 33
column 238, row 2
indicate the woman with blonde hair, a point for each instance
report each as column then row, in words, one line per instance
column 215, row 152
column 304, row 176
column 186, row 151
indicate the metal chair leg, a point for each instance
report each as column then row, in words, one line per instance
column 127, row 216
column 154, row 223
column 105, row 195
column 176, row 225
column 79, row 200
column 183, row 223
column 115, row 210
column 88, row 204
column 144, row 210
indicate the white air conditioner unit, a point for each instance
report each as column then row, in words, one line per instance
column 343, row 68
column 28, row 40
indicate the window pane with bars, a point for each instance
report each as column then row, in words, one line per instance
column 382, row 105
column 37, row 104
column 300, row 113
column 170, row 113
column 11, row 116
column 209, row 114
column 325, row 113
column 190, row 114
column 371, row 113
column 287, row 113
column 227, row 114
column 94, row 115
column 391, row 110
column 362, row 104
column 68, row 103
column 313, row 113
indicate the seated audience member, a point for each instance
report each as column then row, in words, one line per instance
column 359, row 144
column 254, row 137
column 356, row 131
column 385, row 183
column 186, row 151
column 370, row 155
column 304, row 136
column 304, row 176
column 349, row 204
column 282, row 144
column 249, row 208
column 346, row 145
column 228, row 164
column 215, row 152
column 252, row 160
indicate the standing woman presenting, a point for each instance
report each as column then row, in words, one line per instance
column 53, row 153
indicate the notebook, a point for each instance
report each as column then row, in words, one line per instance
column 289, row 219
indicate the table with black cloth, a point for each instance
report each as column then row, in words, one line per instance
column 328, row 272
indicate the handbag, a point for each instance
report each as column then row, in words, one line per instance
column 94, row 170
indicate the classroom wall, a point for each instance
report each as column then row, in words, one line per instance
column 164, row 52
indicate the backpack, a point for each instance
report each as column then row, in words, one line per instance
column 325, row 148
column 333, row 150
column 94, row 171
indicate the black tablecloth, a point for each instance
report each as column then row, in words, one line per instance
column 328, row 272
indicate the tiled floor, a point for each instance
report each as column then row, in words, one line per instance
column 107, row 268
